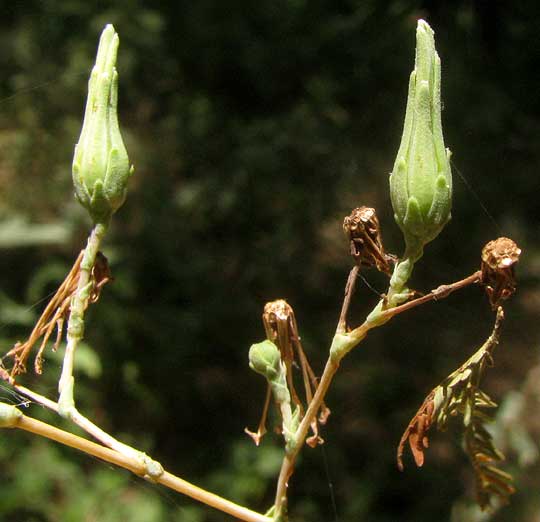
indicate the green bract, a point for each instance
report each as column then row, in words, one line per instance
column 101, row 165
column 264, row 358
column 421, row 181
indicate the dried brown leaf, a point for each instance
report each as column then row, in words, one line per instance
column 416, row 433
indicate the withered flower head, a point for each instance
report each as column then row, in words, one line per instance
column 364, row 233
column 499, row 258
column 276, row 312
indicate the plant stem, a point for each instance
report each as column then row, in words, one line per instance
column 287, row 466
column 332, row 364
column 210, row 499
column 75, row 332
column 75, row 329
column 36, row 397
column 68, row 439
column 438, row 293
column 83, row 422
column 349, row 292
column 137, row 467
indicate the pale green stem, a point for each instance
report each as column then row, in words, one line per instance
column 346, row 342
column 75, row 328
column 287, row 466
column 283, row 398
column 398, row 292
column 11, row 417
column 286, row 414
column 83, row 422
column 75, row 332
column 398, row 281
column 342, row 343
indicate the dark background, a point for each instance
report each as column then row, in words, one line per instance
column 255, row 127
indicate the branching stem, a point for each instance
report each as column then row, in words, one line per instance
column 137, row 467
column 441, row 292
column 354, row 338
column 287, row 466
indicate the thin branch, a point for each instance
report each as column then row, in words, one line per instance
column 210, row 499
column 349, row 292
column 441, row 292
column 68, row 439
column 355, row 337
column 289, row 459
column 83, row 422
column 75, row 329
column 36, row 397
column 138, row 467
column 287, row 466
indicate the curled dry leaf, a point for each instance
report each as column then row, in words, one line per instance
column 416, row 433
column 459, row 395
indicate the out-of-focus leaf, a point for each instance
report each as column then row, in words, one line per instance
column 16, row 232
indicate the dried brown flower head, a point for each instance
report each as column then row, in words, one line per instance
column 363, row 230
column 499, row 258
column 281, row 328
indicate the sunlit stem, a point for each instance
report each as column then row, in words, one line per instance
column 283, row 399
column 18, row 420
column 398, row 291
column 287, row 466
column 75, row 329
column 342, row 344
column 75, row 333
column 84, row 423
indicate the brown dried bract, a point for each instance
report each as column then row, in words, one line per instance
column 499, row 258
column 101, row 275
column 55, row 315
column 261, row 429
column 364, row 233
column 280, row 326
column 416, row 433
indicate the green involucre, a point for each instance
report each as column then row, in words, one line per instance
column 101, row 165
column 421, row 180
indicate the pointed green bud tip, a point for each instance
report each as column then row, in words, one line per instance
column 101, row 166
column 264, row 358
column 421, row 180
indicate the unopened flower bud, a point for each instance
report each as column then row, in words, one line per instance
column 101, row 165
column 421, row 181
column 264, row 358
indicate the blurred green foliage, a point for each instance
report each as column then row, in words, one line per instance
column 254, row 128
